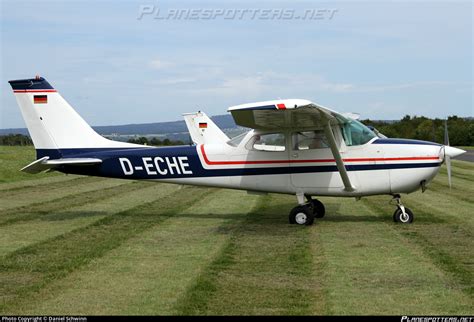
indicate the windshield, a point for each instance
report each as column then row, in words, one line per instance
column 356, row 133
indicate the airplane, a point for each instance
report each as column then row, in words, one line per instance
column 293, row 146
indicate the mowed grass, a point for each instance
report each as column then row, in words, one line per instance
column 466, row 147
column 12, row 159
column 80, row 245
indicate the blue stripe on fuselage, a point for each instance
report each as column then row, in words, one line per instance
column 81, row 152
column 404, row 141
column 111, row 166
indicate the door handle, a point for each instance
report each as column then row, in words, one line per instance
column 295, row 155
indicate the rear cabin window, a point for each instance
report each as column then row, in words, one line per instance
column 235, row 141
column 273, row 142
column 310, row 140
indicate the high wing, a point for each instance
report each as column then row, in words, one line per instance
column 44, row 164
column 289, row 113
column 294, row 114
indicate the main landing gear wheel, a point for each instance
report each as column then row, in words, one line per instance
column 318, row 208
column 301, row 215
column 404, row 218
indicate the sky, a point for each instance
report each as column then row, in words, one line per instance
column 122, row 62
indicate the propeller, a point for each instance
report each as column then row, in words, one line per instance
column 449, row 152
column 447, row 157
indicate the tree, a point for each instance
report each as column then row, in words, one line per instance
column 15, row 139
column 424, row 131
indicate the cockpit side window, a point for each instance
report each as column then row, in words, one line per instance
column 356, row 133
column 309, row 140
column 271, row 142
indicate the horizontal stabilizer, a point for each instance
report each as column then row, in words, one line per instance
column 44, row 164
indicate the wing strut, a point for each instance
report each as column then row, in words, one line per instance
column 337, row 156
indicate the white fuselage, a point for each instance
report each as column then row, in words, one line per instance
column 381, row 166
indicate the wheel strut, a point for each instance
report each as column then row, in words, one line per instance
column 401, row 214
column 398, row 200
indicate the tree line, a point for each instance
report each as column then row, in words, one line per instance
column 154, row 141
column 461, row 132
column 15, row 139
column 21, row 140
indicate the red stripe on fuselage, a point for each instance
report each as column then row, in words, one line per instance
column 34, row 91
column 209, row 162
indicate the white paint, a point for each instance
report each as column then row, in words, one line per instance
column 55, row 125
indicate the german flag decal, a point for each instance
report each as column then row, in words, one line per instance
column 40, row 99
column 203, row 125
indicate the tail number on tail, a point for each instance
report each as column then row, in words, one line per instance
column 157, row 166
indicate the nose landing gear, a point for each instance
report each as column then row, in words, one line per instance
column 402, row 214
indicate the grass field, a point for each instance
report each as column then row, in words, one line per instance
column 466, row 147
column 81, row 245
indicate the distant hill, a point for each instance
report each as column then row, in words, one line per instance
column 461, row 129
column 177, row 127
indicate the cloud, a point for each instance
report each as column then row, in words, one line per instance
column 176, row 81
column 160, row 64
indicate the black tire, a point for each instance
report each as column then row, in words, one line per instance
column 398, row 217
column 395, row 215
column 318, row 208
column 291, row 216
column 301, row 215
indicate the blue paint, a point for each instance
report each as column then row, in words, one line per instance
column 110, row 166
column 404, row 141
column 79, row 152
column 257, row 108
column 31, row 83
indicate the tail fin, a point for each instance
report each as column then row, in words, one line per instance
column 52, row 123
column 203, row 130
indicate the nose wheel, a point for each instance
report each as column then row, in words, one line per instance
column 402, row 214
